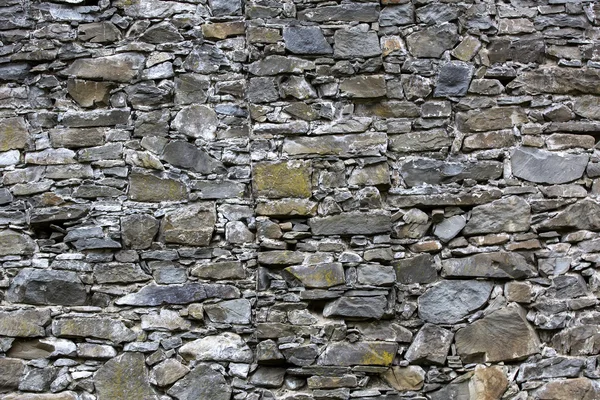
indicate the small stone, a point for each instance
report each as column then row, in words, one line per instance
column 343, row 12
column 275, row 64
column 397, row 15
column 306, row 40
column 430, row 345
column 454, row 79
column 432, row 140
column 77, row 137
column 224, row 347
column 559, row 80
column 202, row 382
column 587, row 107
column 510, row 214
column 434, row 172
column 262, row 90
column 168, row 372
column 493, row 119
column 580, row 340
column 449, row 302
column 581, row 215
column 287, row 208
column 542, row 166
column 197, row 121
column 489, row 140
column 555, row 367
column 99, row 32
column 163, row 32
column 376, row 275
column 236, row 311
column 344, row 354
column 223, row 30
column 119, row 273
column 122, row 377
column 337, row 145
column 467, row 49
column 405, row 378
column 92, row 350
column 138, row 231
column 191, row 225
column 222, row 8
column 219, row 270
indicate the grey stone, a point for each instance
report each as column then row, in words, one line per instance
column 419, row 269
column 14, row 133
column 363, row 86
column 587, row 107
column 205, row 59
column 222, row 8
column 542, row 166
column 122, row 377
column 76, row 138
column 219, row 270
column 163, row 32
column 86, row 119
column 454, row 79
column 268, row 377
column 219, row 189
column 428, row 171
column 236, row 311
column 166, row 320
column 138, row 230
column 581, row 215
column 356, row 307
column 15, row 243
column 120, row 67
column 344, row 354
column 352, row 223
column 430, row 345
column 92, row 350
column 524, row 50
column 448, row 302
column 196, row 121
column 437, row 13
column 24, row 323
column 168, row 372
column 156, row 295
column 262, row 90
column 46, row 215
column 35, row 286
column 306, row 40
column 432, row 140
column 493, row 119
column 349, row 43
column 101, row 328
column 343, row 12
column 384, row 330
column 11, row 370
column 339, row 145
column 555, row 367
column 186, row 155
column 580, row 340
column 201, row 383
column 503, row 335
column 275, row 64
column 560, row 81
column 37, row 379
column 152, row 188
column 190, row 225
column 376, row 275
column 432, row 41
column 510, row 214
column 498, row 265
column 576, row 389
column 397, row 15
column 319, row 275
column 119, row 273
column 191, row 88
column 224, row 347
column 449, row 228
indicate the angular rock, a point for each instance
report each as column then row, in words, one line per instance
column 101, row 328
column 350, row 43
column 356, row 307
column 24, row 323
column 262, row 90
column 268, row 377
column 489, row 140
column 542, row 166
column 449, row 302
column 581, row 215
column 13, row 133
column 580, row 340
column 191, row 88
column 99, row 32
column 77, row 137
column 196, row 121
column 454, row 79
column 36, row 286
column 525, row 49
column 236, row 311
column 119, row 273
column 87, row 119
column 449, row 228
column 202, row 382
column 285, row 179
column 376, row 275
column 219, row 189
column 573, row 389
column 15, row 243
column 337, row 145
column 138, row 231
column 432, row 41
column 493, row 119
column 364, row 86
column 432, row 140
column 191, row 225
column 345, row 354
column 510, row 214
column 66, row 395
column 352, row 223
column 163, row 32
column 321, row 275
column 419, row 269
column 343, row 12
column 559, row 80
column 205, row 59
column 555, row 367
column 156, row 295
column 430, row 345
column 125, row 376
column 167, row 320
column 121, row 67
column 151, row 188
column 275, row 64
column 397, row 15
column 222, row 8
column 405, row 378
column 587, row 107
column 219, row 270
column 434, row 172
column 11, row 370
column 306, row 40
column 186, row 155
column 371, row 175
column 168, row 372
column 503, row 335
column 498, row 265
column 224, row 347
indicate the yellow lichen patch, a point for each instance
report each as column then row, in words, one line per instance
column 286, row 179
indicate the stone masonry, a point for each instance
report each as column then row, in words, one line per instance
column 299, row 199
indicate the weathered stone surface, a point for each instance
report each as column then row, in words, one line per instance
column 196, row 121
column 419, row 269
column 77, row 137
column 337, row 145
column 219, row 270
column 587, row 107
column 494, row 119
column 498, row 265
column 222, row 30
column 503, row 335
column 489, row 140
column 120, row 67
column 67, row 395
column 11, row 370
column 352, row 223
column 510, row 214
column 405, row 378
column 236, row 311
column 556, row 367
column 359, row 353
column 156, row 295
column 186, row 155
column 89, row 93
column 453, row 79
column 364, row 86
column 428, row 171
column 343, row 12
column 224, row 347
column 307, row 40
column 581, row 215
column 119, row 273
column 449, row 228
column 577, row 341
column 356, row 307
column 542, row 166
column 190, row 225
column 432, row 41
column 34, row 286
column 432, row 140
column 12, row 242
column 559, row 81
column 151, row 188
column 13, row 133
column 448, row 302
column 124, row 376
column 287, row 208
column 101, row 328
column 321, row 275
column 165, row 321
column 287, row 179
column 349, row 43
column 524, row 50
column 576, row 389
column 273, row 65
column 138, row 230
column 430, row 345
column 201, row 383
column 168, row 372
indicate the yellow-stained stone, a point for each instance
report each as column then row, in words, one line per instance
column 223, row 30
column 285, row 179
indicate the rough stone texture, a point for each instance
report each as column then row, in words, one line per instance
column 124, row 376
column 449, row 302
column 499, row 265
column 33, row 286
column 542, row 166
column 511, row 214
column 191, row 225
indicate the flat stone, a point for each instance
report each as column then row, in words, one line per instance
column 196, row 121
column 503, row 335
column 497, row 265
column 219, row 189
column 356, row 307
column 350, row 43
column 580, row 340
column 559, row 80
column 510, row 214
column 337, row 145
column 125, row 376
column 555, row 367
column 166, row 320
column 156, row 295
column 405, row 378
column 73, row 138
column 388, row 109
column 96, row 327
column 275, row 64
column 119, row 273
column 15, row 243
column 92, row 350
column 541, row 166
column 190, row 225
column 238, row 311
column 205, row 59
column 138, row 230
column 222, row 8
column 191, row 88
column 432, row 140
column 575, row 389
column 352, row 223
column 151, row 188
column 186, row 155
column 493, row 119
column 364, row 86
column 343, row 12
column 587, row 107
column 489, row 140
column 168, row 372
column 87, row 119
column 224, row 347
column 11, row 370
column 454, row 79
column 449, row 302
column 376, row 274
column 99, row 32
column 24, row 323
column 89, row 93
column 51, row 157
column 163, row 32
column 434, row 172
column 581, row 215
column 36, row 286
column 14, row 133
column 430, row 345
column 202, row 382
column 419, row 269
column 306, row 40
column 121, row 67
column 344, row 354
column 219, row 270
column 285, row 179
column 287, row 208
column 321, row 275
column 223, row 30
column 67, row 395
column 432, row 41
column 525, row 49
column 262, row 90
column 397, row 15
column 449, row 228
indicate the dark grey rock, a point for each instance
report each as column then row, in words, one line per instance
column 163, row 32
column 524, row 49
column 376, row 275
column 222, row 8
column 350, row 43
column 155, row 295
column 262, row 90
column 430, row 345
column 88, row 119
column 120, row 67
column 352, row 223
column 212, row 190
column 37, row 379
column 419, row 269
column 122, row 377
column 510, row 214
column 397, row 15
column 356, row 307
column 306, row 40
column 555, row 367
column 219, row 270
column 567, row 287
column 432, row 140
column 434, row 172
column 190, row 225
column 275, row 64
column 268, row 377
column 454, row 79
column 581, row 215
column 449, row 228
column 151, row 188
column 168, row 372
column 432, row 41
column 186, row 155
column 498, row 265
column 138, row 230
column 437, row 13
column 205, row 59
column 99, row 32
column 343, row 12
column 542, row 166
column 448, row 302
column 191, row 88
column 201, row 383
column 35, row 286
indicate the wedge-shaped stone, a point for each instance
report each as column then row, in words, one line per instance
column 13, row 133
column 322, row 275
column 510, row 214
column 559, row 81
column 356, row 307
column 202, row 383
column 584, row 215
column 430, row 345
column 138, row 230
column 11, row 370
column 13, row 242
column 156, row 295
column 121, row 67
column 503, row 335
column 583, row 340
column 543, row 166
column 89, row 93
column 224, row 347
column 345, row 354
column 37, row 286
column 449, row 302
column 191, row 225
column 498, row 265
column 307, row 40
column 434, row 172
column 284, row 179
column 100, row 328
column 352, row 223
column 555, row 367
column 274, row 65
column 151, row 188
column 187, row 156
column 24, row 323
column 124, row 377
column 363, row 144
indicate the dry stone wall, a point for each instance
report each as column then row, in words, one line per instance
column 299, row 199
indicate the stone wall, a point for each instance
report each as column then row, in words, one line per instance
column 299, row 199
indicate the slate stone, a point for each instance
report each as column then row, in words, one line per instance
column 432, row 41
column 306, row 40
column 405, row 378
column 343, row 12
column 497, row 265
column 510, row 214
column 432, row 140
column 448, row 302
column 66, row 395
column 418, row 269
column 287, row 208
column 166, row 320
column 350, row 43
column 147, row 94
column 555, row 367
column 121, row 67
column 196, row 121
column 168, row 372
column 190, row 225
column 125, row 376
column 14, row 133
column 541, row 166
column 494, row 119
column 95, row 327
column 320, row 275
column 454, row 79
column 284, row 179
column 201, row 383
column 99, row 32
column 11, row 370
column 352, row 223
column 376, row 275
column 430, row 345
column 559, row 80
column 449, row 228
column 77, row 137
column 24, row 323
column 119, row 273
column 205, row 59
column 47, row 215
column 51, row 157
column 437, row 13
column 503, row 335
column 156, row 295
column 364, row 86
column 434, row 172
column 222, row 8
column 151, row 188
column 343, row 146
column 581, row 215
column 523, row 50
column 587, row 107
column 224, row 347
column 343, row 354
column 262, row 90
column 275, row 64
column 186, row 155
column 138, row 230
column 92, row 350
column 268, row 377
column 219, row 270
column 580, row 340
column 36, row 286
column 191, row 88
column 15, row 243
column 575, row 389
column 88, row 119
column 236, row 311
column 223, row 30
column 397, row 15
column 356, row 307
column 163, row 32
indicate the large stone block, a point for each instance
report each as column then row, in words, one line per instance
column 510, row 214
column 541, row 166
column 449, row 302
column 352, row 223
column 344, row 354
column 121, row 67
column 13, row 133
column 284, row 179
column 151, row 188
column 36, row 286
